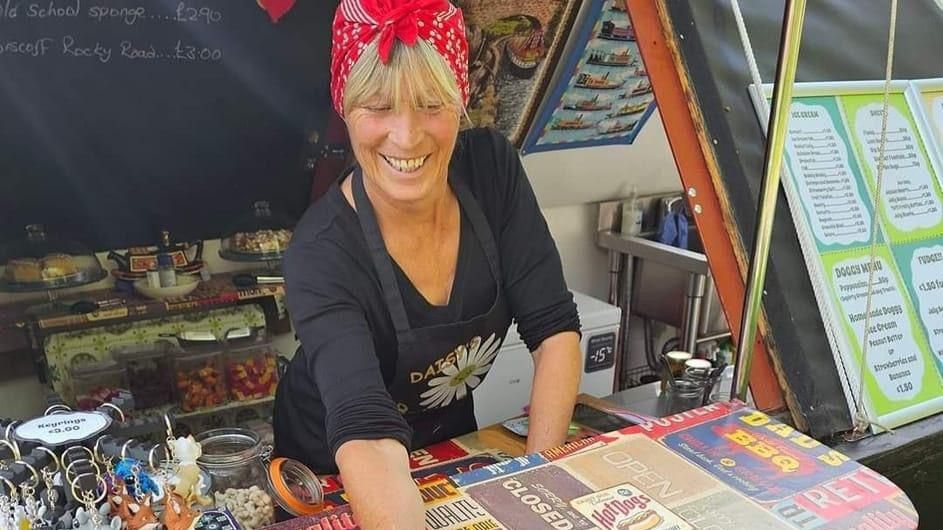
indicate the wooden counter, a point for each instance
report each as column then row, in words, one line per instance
column 720, row 466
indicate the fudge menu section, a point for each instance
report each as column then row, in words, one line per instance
column 834, row 149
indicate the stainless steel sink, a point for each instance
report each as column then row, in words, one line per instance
column 657, row 282
column 643, row 246
column 670, row 284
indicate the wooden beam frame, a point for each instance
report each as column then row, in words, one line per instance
column 699, row 170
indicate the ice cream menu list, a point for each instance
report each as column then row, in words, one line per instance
column 833, row 148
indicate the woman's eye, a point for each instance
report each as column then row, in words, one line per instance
column 432, row 107
column 378, row 108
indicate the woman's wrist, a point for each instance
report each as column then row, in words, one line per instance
column 378, row 483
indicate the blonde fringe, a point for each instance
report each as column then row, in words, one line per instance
column 416, row 77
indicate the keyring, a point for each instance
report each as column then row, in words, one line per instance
column 6, row 431
column 14, row 448
column 68, row 468
column 117, row 408
column 12, row 489
column 98, row 480
column 170, row 429
column 31, row 470
column 52, row 455
column 58, row 408
column 68, row 450
column 124, row 448
column 95, row 449
column 150, row 458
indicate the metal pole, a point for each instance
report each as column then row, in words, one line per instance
column 626, row 278
column 691, row 321
column 614, row 268
column 769, row 190
column 712, row 338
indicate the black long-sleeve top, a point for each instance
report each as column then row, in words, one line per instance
column 335, row 388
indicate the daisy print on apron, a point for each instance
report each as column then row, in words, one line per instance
column 472, row 362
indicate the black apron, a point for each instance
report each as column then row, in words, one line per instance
column 437, row 367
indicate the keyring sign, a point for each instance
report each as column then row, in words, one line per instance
column 60, row 428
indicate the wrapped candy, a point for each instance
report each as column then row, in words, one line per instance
column 252, row 372
column 98, row 382
column 149, row 373
column 199, row 379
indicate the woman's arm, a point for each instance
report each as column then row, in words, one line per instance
column 377, row 480
column 364, row 433
column 556, row 382
column 537, row 294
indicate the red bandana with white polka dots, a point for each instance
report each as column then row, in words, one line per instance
column 357, row 23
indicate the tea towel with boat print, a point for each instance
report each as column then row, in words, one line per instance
column 603, row 94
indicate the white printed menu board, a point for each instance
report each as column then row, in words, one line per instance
column 928, row 95
column 830, row 171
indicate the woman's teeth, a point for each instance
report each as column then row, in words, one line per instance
column 406, row 165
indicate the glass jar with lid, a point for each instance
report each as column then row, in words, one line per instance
column 245, row 481
column 697, row 369
column 685, row 394
column 199, row 380
column 149, row 373
column 98, row 382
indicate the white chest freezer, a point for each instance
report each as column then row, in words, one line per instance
column 506, row 390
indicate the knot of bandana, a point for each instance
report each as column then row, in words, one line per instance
column 357, row 23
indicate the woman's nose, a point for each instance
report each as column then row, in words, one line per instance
column 405, row 129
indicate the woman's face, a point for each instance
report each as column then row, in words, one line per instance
column 404, row 153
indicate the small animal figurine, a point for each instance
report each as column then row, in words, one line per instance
column 29, row 515
column 188, row 481
column 130, row 472
column 177, row 514
column 134, row 514
column 20, row 519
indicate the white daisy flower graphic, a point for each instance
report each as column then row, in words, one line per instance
column 471, row 361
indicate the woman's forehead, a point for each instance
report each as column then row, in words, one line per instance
column 409, row 93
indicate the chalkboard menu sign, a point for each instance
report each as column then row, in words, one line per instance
column 121, row 118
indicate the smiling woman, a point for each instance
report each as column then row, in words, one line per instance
column 402, row 106
column 403, row 121
column 403, row 279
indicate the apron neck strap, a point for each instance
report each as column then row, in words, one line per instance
column 384, row 263
column 378, row 253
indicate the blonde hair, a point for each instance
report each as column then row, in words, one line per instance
column 416, row 76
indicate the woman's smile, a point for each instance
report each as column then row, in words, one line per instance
column 405, row 165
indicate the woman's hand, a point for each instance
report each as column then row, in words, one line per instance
column 557, row 363
column 376, row 478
